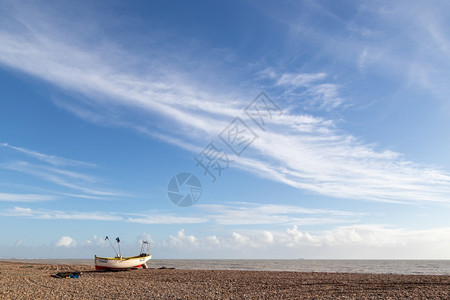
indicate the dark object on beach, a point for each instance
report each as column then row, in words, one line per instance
column 164, row 268
column 61, row 275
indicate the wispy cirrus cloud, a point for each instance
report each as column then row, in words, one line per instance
column 62, row 172
column 51, row 159
column 165, row 219
column 311, row 88
column 241, row 213
column 300, row 150
column 68, row 174
column 405, row 42
column 298, row 80
column 58, row 215
column 424, row 62
column 141, row 218
column 244, row 213
column 12, row 197
column 61, row 177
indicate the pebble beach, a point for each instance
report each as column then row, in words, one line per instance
column 33, row 281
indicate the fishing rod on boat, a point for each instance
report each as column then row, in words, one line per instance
column 118, row 245
column 107, row 238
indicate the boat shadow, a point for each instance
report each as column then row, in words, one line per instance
column 125, row 270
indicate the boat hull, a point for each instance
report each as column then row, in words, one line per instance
column 114, row 263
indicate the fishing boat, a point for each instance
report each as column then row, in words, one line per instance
column 119, row 262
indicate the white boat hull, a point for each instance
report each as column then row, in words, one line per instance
column 114, row 263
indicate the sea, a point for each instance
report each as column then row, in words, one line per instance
column 414, row 267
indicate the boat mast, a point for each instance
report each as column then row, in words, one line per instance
column 118, row 245
column 107, row 238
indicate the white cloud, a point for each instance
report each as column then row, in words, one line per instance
column 65, row 241
column 65, row 178
column 243, row 213
column 400, row 41
column 10, row 197
column 60, row 215
column 325, row 96
column 362, row 58
column 343, row 242
column 58, row 171
column 18, row 243
column 240, row 213
column 181, row 239
column 145, row 237
column 299, row 80
column 294, row 237
column 212, row 240
column 240, row 239
column 51, row 159
column 165, row 219
column 311, row 155
column 315, row 94
column 268, row 237
column 94, row 241
column 369, row 241
column 409, row 42
column 142, row 218
column 18, row 212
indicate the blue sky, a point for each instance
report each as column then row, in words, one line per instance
column 102, row 103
